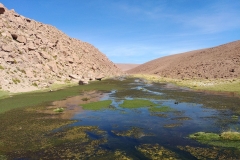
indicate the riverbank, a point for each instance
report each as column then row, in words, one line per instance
column 227, row 86
column 59, row 92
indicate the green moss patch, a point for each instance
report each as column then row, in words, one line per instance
column 137, row 103
column 225, row 139
column 97, row 105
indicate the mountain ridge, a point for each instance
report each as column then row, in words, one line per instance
column 220, row 62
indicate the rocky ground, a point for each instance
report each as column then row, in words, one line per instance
column 221, row 62
column 125, row 67
column 34, row 55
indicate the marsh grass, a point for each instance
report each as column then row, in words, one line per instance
column 225, row 139
column 97, row 105
column 137, row 103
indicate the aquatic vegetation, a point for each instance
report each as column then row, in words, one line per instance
column 137, row 103
column 36, row 132
column 116, row 155
column 161, row 109
column 155, row 151
column 97, row 105
column 85, row 99
column 159, row 115
column 225, row 139
column 235, row 117
column 133, row 132
column 58, row 110
column 3, row 157
column 26, row 131
column 120, row 155
column 232, row 136
column 30, row 133
column 172, row 125
column 181, row 118
column 211, row 153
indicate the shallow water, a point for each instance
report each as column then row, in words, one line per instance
column 116, row 132
column 192, row 112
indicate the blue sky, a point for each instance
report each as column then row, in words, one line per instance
column 136, row 31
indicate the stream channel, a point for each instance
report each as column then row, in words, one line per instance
column 190, row 112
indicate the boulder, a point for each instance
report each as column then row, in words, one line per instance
column 6, row 34
column 73, row 76
column 2, row 8
column 21, row 39
column 31, row 46
column 7, row 48
column 99, row 77
column 52, row 65
column 44, row 55
column 83, row 82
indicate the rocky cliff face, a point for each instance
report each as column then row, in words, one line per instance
column 221, row 62
column 34, row 55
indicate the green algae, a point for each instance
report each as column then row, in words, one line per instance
column 97, row 105
column 225, row 139
column 137, row 103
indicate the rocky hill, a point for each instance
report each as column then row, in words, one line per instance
column 34, row 55
column 124, row 67
column 221, row 62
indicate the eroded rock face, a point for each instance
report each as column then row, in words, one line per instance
column 36, row 53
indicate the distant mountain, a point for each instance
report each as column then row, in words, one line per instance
column 221, row 62
column 124, row 67
column 34, row 55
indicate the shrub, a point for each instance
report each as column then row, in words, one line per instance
column 16, row 81
column 35, row 84
column 1, row 67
